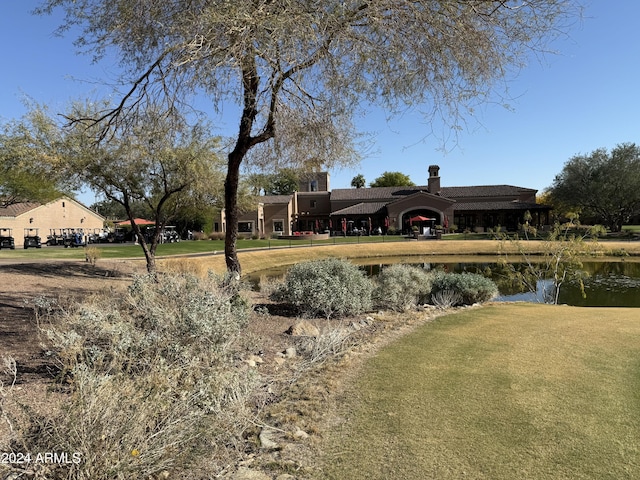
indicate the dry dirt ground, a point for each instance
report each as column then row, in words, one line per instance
column 303, row 404
column 21, row 284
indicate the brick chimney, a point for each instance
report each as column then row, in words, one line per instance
column 434, row 179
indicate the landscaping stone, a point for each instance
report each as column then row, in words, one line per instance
column 303, row 328
column 290, row 352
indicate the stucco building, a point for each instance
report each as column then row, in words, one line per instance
column 316, row 208
column 62, row 213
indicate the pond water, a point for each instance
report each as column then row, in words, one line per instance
column 606, row 283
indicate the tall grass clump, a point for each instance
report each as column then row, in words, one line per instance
column 469, row 288
column 153, row 384
column 328, row 287
column 402, row 287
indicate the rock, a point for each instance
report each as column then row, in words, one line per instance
column 303, row 329
column 300, row 435
column 279, row 361
column 290, row 352
column 266, row 439
column 256, row 359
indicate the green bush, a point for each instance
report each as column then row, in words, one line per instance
column 471, row 287
column 401, row 287
column 154, row 383
column 328, row 288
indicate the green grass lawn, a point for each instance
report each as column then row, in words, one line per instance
column 130, row 250
column 516, row 391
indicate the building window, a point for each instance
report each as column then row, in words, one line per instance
column 278, row 225
column 245, row 227
column 62, row 204
column 314, row 203
column 313, row 186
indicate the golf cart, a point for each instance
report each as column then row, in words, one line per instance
column 170, row 235
column 117, row 236
column 73, row 238
column 55, row 237
column 32, row 238
column 99, row 235
column 6, row 238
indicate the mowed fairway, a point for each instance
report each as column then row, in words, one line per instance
column 515, row 391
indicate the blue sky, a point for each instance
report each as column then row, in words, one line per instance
column 583, row 98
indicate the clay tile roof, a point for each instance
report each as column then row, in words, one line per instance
column 17, row 209
column 392, row 193
column 476, row 206
column 483, row 191
column 363, row 208
column 274, row 199
column 374, row 193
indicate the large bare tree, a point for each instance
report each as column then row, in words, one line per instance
column 299, row 70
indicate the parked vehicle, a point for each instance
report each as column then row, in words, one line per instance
column 98, row 235
column 32, row 238
column 55, row 237
column 73, row 237
column 167, row 235
column 117, row 236
column 170, row 235
column 6, row 238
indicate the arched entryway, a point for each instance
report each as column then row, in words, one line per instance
column 421, row 221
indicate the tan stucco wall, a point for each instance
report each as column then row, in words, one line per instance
column 61, row 213
column 277, row 212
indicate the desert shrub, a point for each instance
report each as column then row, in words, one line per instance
column 153, row 380
column 328, row 287
column 446, row 299
column 471, row 287
column 401, row 287
column 92, row 254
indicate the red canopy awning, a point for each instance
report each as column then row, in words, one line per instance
column 420, row 218
column 137, row 221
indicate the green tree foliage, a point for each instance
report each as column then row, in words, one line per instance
column 358, row 181
column 25, row 172
column 155, row 161
column 283, row 182
column 301, row 70
column 392, row 179
column 115, row 211
column 602, row 185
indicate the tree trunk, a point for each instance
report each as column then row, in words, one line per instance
column 231, row 210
